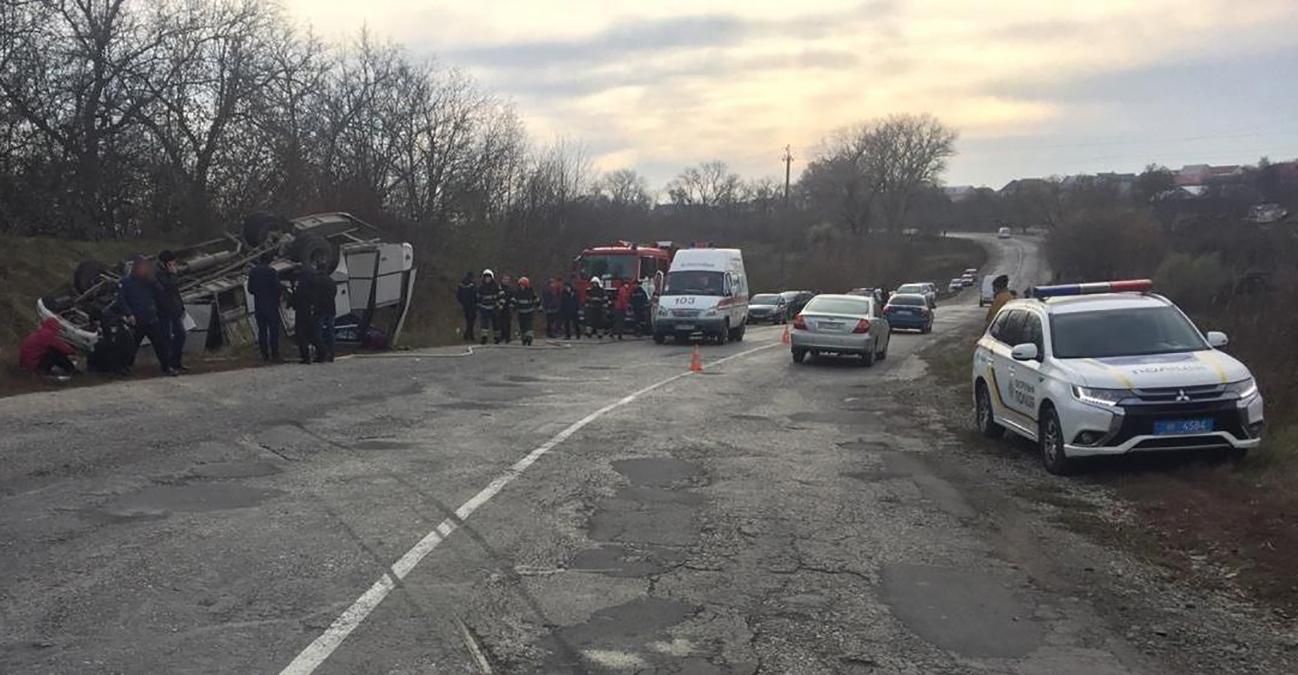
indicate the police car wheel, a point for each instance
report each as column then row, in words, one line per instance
column 799, row 355
column 983, row 414
column 1051, row 439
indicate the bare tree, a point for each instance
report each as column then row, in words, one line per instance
column 710, row 184
column 905, row 153
column 624, row 188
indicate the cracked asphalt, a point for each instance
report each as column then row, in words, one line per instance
column 760, row 517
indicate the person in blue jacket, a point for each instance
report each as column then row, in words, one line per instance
column 138, row 296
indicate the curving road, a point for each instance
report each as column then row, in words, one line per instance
column 583, row 508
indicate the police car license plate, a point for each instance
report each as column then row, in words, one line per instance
column 1182, row 427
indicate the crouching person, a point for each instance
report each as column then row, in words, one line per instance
column 44, row 351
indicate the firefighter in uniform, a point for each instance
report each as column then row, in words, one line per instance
column 525, row 303
column 488, row 296
column 596, row 302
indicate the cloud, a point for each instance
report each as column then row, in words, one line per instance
column 673, row 82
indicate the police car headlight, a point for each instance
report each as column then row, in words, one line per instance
column 1103, row 397
column 1246, row 388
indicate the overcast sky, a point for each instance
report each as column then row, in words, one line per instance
column 1035, row 88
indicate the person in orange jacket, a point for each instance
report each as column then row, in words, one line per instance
column 621, row 305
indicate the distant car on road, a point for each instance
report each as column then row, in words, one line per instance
column 796, row 300
column 909, row 310
column 968, row 279
column 956, row 285
column 1003, row 233
column 986, row 294
column 928, row 290
column 875, row 293
column 1111, row 370
column 768, row 307
column 849, row 325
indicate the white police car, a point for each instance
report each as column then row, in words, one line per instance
column 1109, row 368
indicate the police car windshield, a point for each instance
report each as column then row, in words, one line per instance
column 1123, row 332
column 615, row 266
column 764, row 299
column 695, row 282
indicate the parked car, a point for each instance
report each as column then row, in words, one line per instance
column 768, row 307
column 928, row 290
column 849, row 325
column 1110, row 368
column 956, row 285
column 968, row 279
column 1004, row 233
column 909, row 310
column 796, row 300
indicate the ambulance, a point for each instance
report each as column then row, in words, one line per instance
column 704, row 297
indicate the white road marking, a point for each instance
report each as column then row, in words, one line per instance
column 319, row 650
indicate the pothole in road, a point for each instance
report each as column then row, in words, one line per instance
column 660, row 472
column 615, row 637
column 966, row 612
column 626, row 562
column 159, row 501
column 835, row 417
column 862, row 445
column 219, row 470
column 382, row 444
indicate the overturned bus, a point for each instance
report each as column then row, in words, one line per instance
column 374, row 279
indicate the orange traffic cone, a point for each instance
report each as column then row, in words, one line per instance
column 696, row 361
column 785, row 338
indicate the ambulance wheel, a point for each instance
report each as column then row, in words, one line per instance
column 724, row 336
column 737, row 334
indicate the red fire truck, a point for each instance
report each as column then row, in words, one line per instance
column 624, row 262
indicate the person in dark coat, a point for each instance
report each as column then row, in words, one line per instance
column 326, row 311
column 138, row 296
column 505, row 308
column 266, row 291
column 306, row 324
column 467, row 296
column 114, row 351
column 488, row 297
column 45, row 352
column 526, row 304
column 570, row 311
column 640, row 308
column 171, row 310
column 550, row 305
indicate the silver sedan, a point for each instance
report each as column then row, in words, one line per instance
column 841, row 324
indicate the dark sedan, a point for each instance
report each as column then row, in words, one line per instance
column 768, row 307
column 909, row 310
column 796, row 300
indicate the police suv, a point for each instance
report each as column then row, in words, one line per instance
column 1110, row 368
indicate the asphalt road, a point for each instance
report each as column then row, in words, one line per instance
column 583, row 508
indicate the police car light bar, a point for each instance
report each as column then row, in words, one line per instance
column 1127, row 286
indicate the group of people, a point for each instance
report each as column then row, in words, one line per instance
column 490, row 306
column 148, row 305
column 313, row 297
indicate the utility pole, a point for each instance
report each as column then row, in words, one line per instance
column 788, row 170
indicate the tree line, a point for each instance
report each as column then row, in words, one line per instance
column 170, row 119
